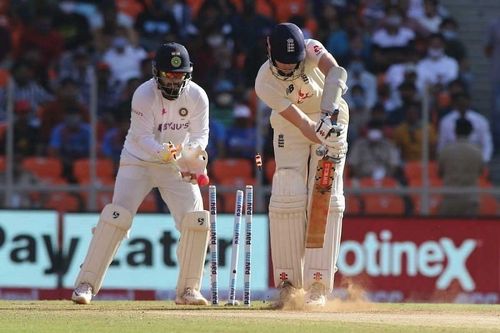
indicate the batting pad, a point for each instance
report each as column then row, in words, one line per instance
column 192, row 249
column 113, row 225
column 319, row 263
column 287, row 222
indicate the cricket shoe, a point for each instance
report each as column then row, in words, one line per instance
column 191, row 297
column 287, row 294
column 82, row 294
column 315, row 296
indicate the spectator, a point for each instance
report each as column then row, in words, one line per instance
column 108, row 92
column 461, row 164
column 155, row 24
column 183, row 16
column 480, row 136
column 25, row 88
column 26, row 135
column 73, row 27
column 430, row 20
column 358, row 75
column 391, row 37
column 5, row 42
column 437, row 67
column 454, row 47
column 241, row 137
column 77, row 65
column 359, row 113
column 41, row 37
column 223, row 106
column 492, row 51
column 108, row 23
column 112, row 143
column 124, row 60
column 216, row 147
column 408, row 136
column 54, row 112
column 406, row 95
column 402, row 70
column 70, row 140
column 374, row 155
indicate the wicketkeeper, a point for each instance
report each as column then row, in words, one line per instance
column 164, row 148
column 302, row 83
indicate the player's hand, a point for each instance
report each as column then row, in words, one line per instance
column 169, row 152
column 331, row 134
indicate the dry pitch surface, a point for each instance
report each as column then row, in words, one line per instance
column 157, row 316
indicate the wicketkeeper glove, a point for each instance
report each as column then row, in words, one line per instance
column 169, row 152
column 192, row 165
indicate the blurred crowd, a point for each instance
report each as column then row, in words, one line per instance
column 396, row 52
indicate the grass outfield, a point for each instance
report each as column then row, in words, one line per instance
column 160, row 316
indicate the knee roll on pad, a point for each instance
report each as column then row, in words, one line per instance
column 287, row 222
column 192, row 249
column 114, row 224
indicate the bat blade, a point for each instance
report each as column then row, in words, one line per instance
column 316, row 226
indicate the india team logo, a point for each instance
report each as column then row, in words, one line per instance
column 176, row 61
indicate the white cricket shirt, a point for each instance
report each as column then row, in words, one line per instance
column 156, row 120
column 305, row 92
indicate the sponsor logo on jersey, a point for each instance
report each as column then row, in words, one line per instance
column 183, row 112
column 139, row 113
column 281, row 140
column 317, row 49
column 303, row 96
column 173, row 126
column 290, row 89
column 163, row 111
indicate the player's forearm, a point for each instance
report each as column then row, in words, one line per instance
column 301, row 121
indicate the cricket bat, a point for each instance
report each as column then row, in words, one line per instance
column 316, row 226
column 322, row 190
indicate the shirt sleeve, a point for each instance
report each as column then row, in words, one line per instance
column 445, row 132
column 486, row 140
column 314, row 51
column 142, row 124
column 199, row 129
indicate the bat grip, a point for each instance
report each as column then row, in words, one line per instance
column 322, row 151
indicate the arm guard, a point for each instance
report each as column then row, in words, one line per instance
column 335, row 87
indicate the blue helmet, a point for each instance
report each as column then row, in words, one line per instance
column 172, row 69
column 287, row 46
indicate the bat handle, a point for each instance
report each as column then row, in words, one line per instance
column 322, row 151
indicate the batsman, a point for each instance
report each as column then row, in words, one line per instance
column 303, row 85
column 164, row 148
